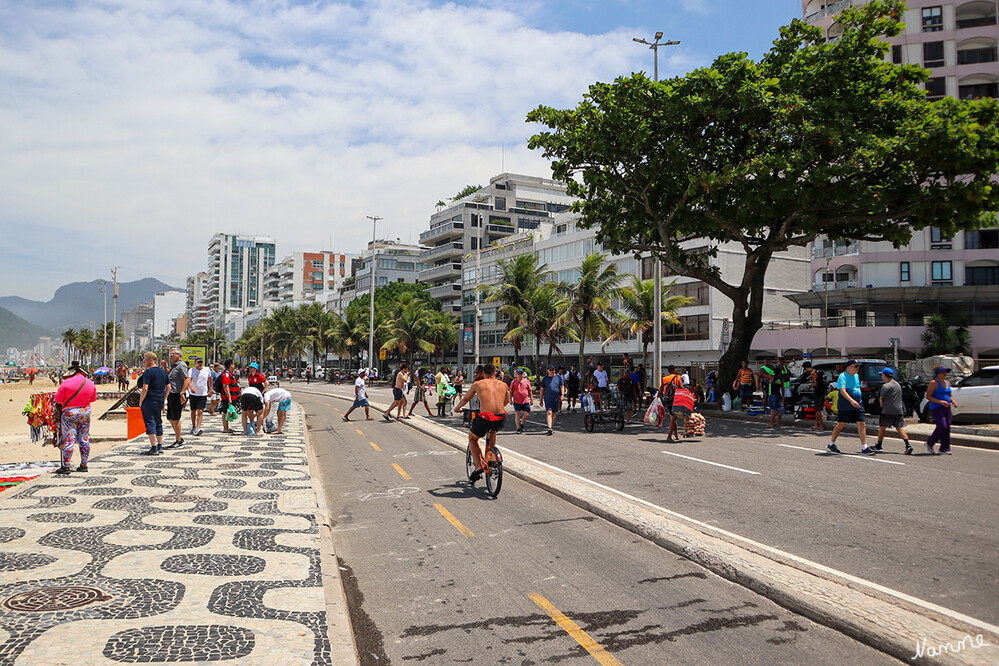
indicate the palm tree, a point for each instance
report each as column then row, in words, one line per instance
column 590, row 300
column 519, row 277
column 85, row 343
column 69, row 338
column 409, row 327
column 542, row 316
column 443, row 333
column 638, row 309
column 217, row 341
column 114, row 336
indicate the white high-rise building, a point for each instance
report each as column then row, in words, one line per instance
column 197, row 303
column 167, row 306
column 237, row 268
column 306, row 277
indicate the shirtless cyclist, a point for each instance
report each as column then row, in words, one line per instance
column 494, row 396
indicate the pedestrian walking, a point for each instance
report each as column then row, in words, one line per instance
column 643, row 385
column 75, row 395
column 215, row 395
column 850, row 409
column 773, row 391
column 229, row 388
column 180, row 381
column 671, row 382
column 398, row 392
column 442, row 384
column 552, row 390
column 282, row 398
column 420, row 393
column 941, row 400
column 744, row 384
column 360, row 397
column 522, row 395
column 255, row 378
column 155, row 386
column 819, row 386
column 892, row 410
column 626, row 389
column 200, row 387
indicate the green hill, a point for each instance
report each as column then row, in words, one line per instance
column 16, row 332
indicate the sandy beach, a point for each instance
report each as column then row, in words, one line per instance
column 15, row 439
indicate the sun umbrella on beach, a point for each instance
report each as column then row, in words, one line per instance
column 11, row 363
column 31, row 371
column 103, row 368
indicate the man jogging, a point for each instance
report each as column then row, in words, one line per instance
column 850, row 410
column 360, row 397
column 493, row 396
column 399, row 392
column 892, row 410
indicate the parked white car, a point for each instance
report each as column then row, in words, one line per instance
column 977, row 397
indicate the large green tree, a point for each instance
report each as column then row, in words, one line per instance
column 815, row 138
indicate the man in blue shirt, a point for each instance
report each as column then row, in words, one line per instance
column 552, row 390
column 850, row 409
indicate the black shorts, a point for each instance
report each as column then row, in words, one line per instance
column 197, row 402
column 174, row 408
column 482, row 426
column 397, row 394
column 891, row 421
column 847, row 413
column 251, row 403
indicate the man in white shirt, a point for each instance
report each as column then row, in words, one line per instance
column 283, row 399
column 199, row 390
column 360, row 396
column 601, row 376
column 685, row 377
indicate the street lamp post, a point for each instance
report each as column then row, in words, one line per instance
column 371, row 295
column 102, row 287
column 114, row 316
column 657, row 279
column 825, row 312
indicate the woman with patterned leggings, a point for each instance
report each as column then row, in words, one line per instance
column 75, row 394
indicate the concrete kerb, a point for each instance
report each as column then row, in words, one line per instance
column 885, row 619
column 343, row 649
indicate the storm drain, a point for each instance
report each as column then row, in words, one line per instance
column 52, row 599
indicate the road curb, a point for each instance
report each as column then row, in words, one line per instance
column 885, row 619
column 343, row 649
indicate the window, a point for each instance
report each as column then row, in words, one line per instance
column 972, row 56
column 896, row 54
column 940, row 271
column 695, row 327
column 317, row 286
column 317, row 275
column 936, row 87
column 982, row 378
column 932, row 19
column 499, row 203
column 475, row 243
column 978, row 90
column 695, row 290
column 981, row 239
column 933, row 54
column 903, row 271
column 938, row 241
column 317, row 263
column 981, row 275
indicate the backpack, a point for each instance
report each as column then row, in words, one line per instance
column 217, row 383
column 820, row 382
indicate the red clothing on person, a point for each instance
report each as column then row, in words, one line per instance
column 232, row 383
column 521, row 390
column 66, row 390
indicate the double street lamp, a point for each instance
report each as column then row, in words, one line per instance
column 657, row 321
column 371, row 296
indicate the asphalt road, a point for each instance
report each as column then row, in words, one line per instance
column 924, row 525
column 436, row 572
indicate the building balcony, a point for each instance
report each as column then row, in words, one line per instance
column 975, row 14
column 450, row 270
column 837, row 249
column 442, row 232
column 446, row 251
column 819, row 287
column 500, row 229
column 445, row 292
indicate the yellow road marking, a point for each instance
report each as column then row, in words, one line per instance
column 454, row 521
column 375, row 446
column 359, row 432
column 574, row 630
column 402, row 472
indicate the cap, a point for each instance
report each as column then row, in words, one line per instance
column 551, row 367
column 198, row 359
column 175, row 351
column 940, row 368
column 254, row 365
column 520, row 371
column 853, row 361
column 888, row 371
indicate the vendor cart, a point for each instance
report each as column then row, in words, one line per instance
column 603, row 407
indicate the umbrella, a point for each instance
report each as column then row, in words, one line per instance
column 31, row 371
column 11, row 363
column 102, row 371
column 103, row 368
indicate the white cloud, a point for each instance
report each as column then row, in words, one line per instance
column 144, row 127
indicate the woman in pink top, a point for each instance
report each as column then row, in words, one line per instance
column 523, row 396
column 75, row 395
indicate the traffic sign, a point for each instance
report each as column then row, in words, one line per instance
column 381, row 354
column 496, row 361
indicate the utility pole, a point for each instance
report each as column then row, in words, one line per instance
column 825, row 313
column 371, row 295
column 657, row 279
column 478, row 281
column 102, row 287
column 114, row 317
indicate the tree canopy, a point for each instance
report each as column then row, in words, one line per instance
column 815, row 139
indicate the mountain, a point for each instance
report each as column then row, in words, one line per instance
column 77, row 304
column 16, row 332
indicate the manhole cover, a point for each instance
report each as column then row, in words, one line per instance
column 50, row 599
column 176, row 498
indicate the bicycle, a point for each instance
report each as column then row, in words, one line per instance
column 493, row 461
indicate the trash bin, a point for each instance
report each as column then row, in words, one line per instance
column 135, row 425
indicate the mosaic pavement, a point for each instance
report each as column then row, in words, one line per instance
column 203, row 554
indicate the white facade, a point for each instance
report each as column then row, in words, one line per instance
column 237, row 266
column 197, row 303
column 167, row 306
column 306, row 277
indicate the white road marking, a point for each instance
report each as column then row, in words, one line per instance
column 845, row 455
column 737, row 469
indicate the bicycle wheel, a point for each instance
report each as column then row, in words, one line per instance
column 469, row 462
column 494, row 479
column 620, row 421
column 588, row 422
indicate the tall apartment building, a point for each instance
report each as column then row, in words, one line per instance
column 197, row 303
column 394, row 262
column 698, row 338
column 237, row 267
column 307, row 276
column 510, row 203
column 137, row 325
column 868, row 298
column 167, row 306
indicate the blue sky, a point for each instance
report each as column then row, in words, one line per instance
column 133, row 131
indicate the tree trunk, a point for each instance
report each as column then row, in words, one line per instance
column 582, row 342
column 747, row 319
